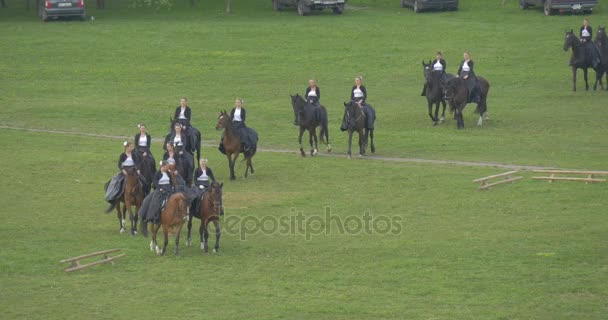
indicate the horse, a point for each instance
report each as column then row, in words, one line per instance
column 579, row 59
column 232, row 144
column 147, row 170
column 194, row 135
column 133, row 195
column 172, row 218
column 355, row 121
column 434, row 91
column 209, row 210
column 457, row 93
column 601, row 41
column 311, row 117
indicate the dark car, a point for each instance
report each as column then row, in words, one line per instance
column 307, row 6
column 560, row 6
column 48, row 9
column 419, row 5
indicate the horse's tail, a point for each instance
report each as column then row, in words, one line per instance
column 324, row 125
column 112, row 204
column 484, row 89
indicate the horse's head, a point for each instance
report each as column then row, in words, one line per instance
column 451, row 88
column 570, row 40
column 223, row 120
column 215, row 190
column 427, row 69
column 132, row 172
column 601, row 34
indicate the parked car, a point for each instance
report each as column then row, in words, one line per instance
column 48, row 9
column 305, row 7
column 560, row 6
column 419, row 5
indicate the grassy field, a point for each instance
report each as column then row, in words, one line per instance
column 531, row 250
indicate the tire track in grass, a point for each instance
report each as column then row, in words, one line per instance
column 211, row 143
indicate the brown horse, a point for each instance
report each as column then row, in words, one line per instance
column 209, row 211
column 133, row 195
column 232, row 144
column 172, row 218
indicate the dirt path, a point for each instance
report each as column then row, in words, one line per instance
column 210, row 143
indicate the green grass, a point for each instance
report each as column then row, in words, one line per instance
column 531, row 250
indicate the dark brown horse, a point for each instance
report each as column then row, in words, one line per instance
column 434, row 93
column 601, row 41
column 232, row 144
column 309, row 118
column 457, row 93
column 133, row 195
column 355, row 120
column 209, row 210
column 172, row 218
column 580, row 59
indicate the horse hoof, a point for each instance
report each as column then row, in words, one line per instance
column 214, row 251
column 122, row 230
column 202, row 246
column 442, row 119
column 315, row 152
column 158, row 251
column 152, row 246
column 435, row 123
column 360, row 155
column 188, row 243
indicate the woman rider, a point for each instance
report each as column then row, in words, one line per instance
column 163, row 187
column 358, row 95
column 466, row 72
column 128, row 160
column 238, row 115
column 313, row 93
column 586, row 34
column 143, row 141
column 203, row 176
column 183, row 113
column 439, row 65
column 181, row 143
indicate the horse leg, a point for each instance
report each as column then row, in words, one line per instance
column 361, row 142
column 436, row 113
column 316, row 150
column 166, row 240
column 201, row 233
column 371, row 138
column 430, row 106
column 218, row 233
column 574, row 78
column 230, row 166
column 119, row 215
column 350, row 142
column 198, row 146
column 300, row 142
column 310, row 133
column 443, row 112
column 250, row 164
column 189, row 238
column 585, row 76
column 154, row 238
column 205, row 237
column 177, row 233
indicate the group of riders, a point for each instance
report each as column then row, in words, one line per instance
column 179, row 148
column 358, row 95
column 465, row 72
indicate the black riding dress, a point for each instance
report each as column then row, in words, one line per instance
column 153, row 203
column 466, row 69
column 115, row 187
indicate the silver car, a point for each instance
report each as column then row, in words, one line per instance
column 48, row 9
column 307, row 6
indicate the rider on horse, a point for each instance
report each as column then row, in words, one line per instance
column 128, row 160
column 203, row 176
column 312, row 96
column 154, row 202
column 439, row 65
column 465, row 72
column 359, row 96
column 586, row 34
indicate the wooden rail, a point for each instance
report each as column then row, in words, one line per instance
column 589, row 175
column 508, row 177
column 75, row 261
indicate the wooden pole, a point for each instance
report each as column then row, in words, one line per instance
column 228, row 6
